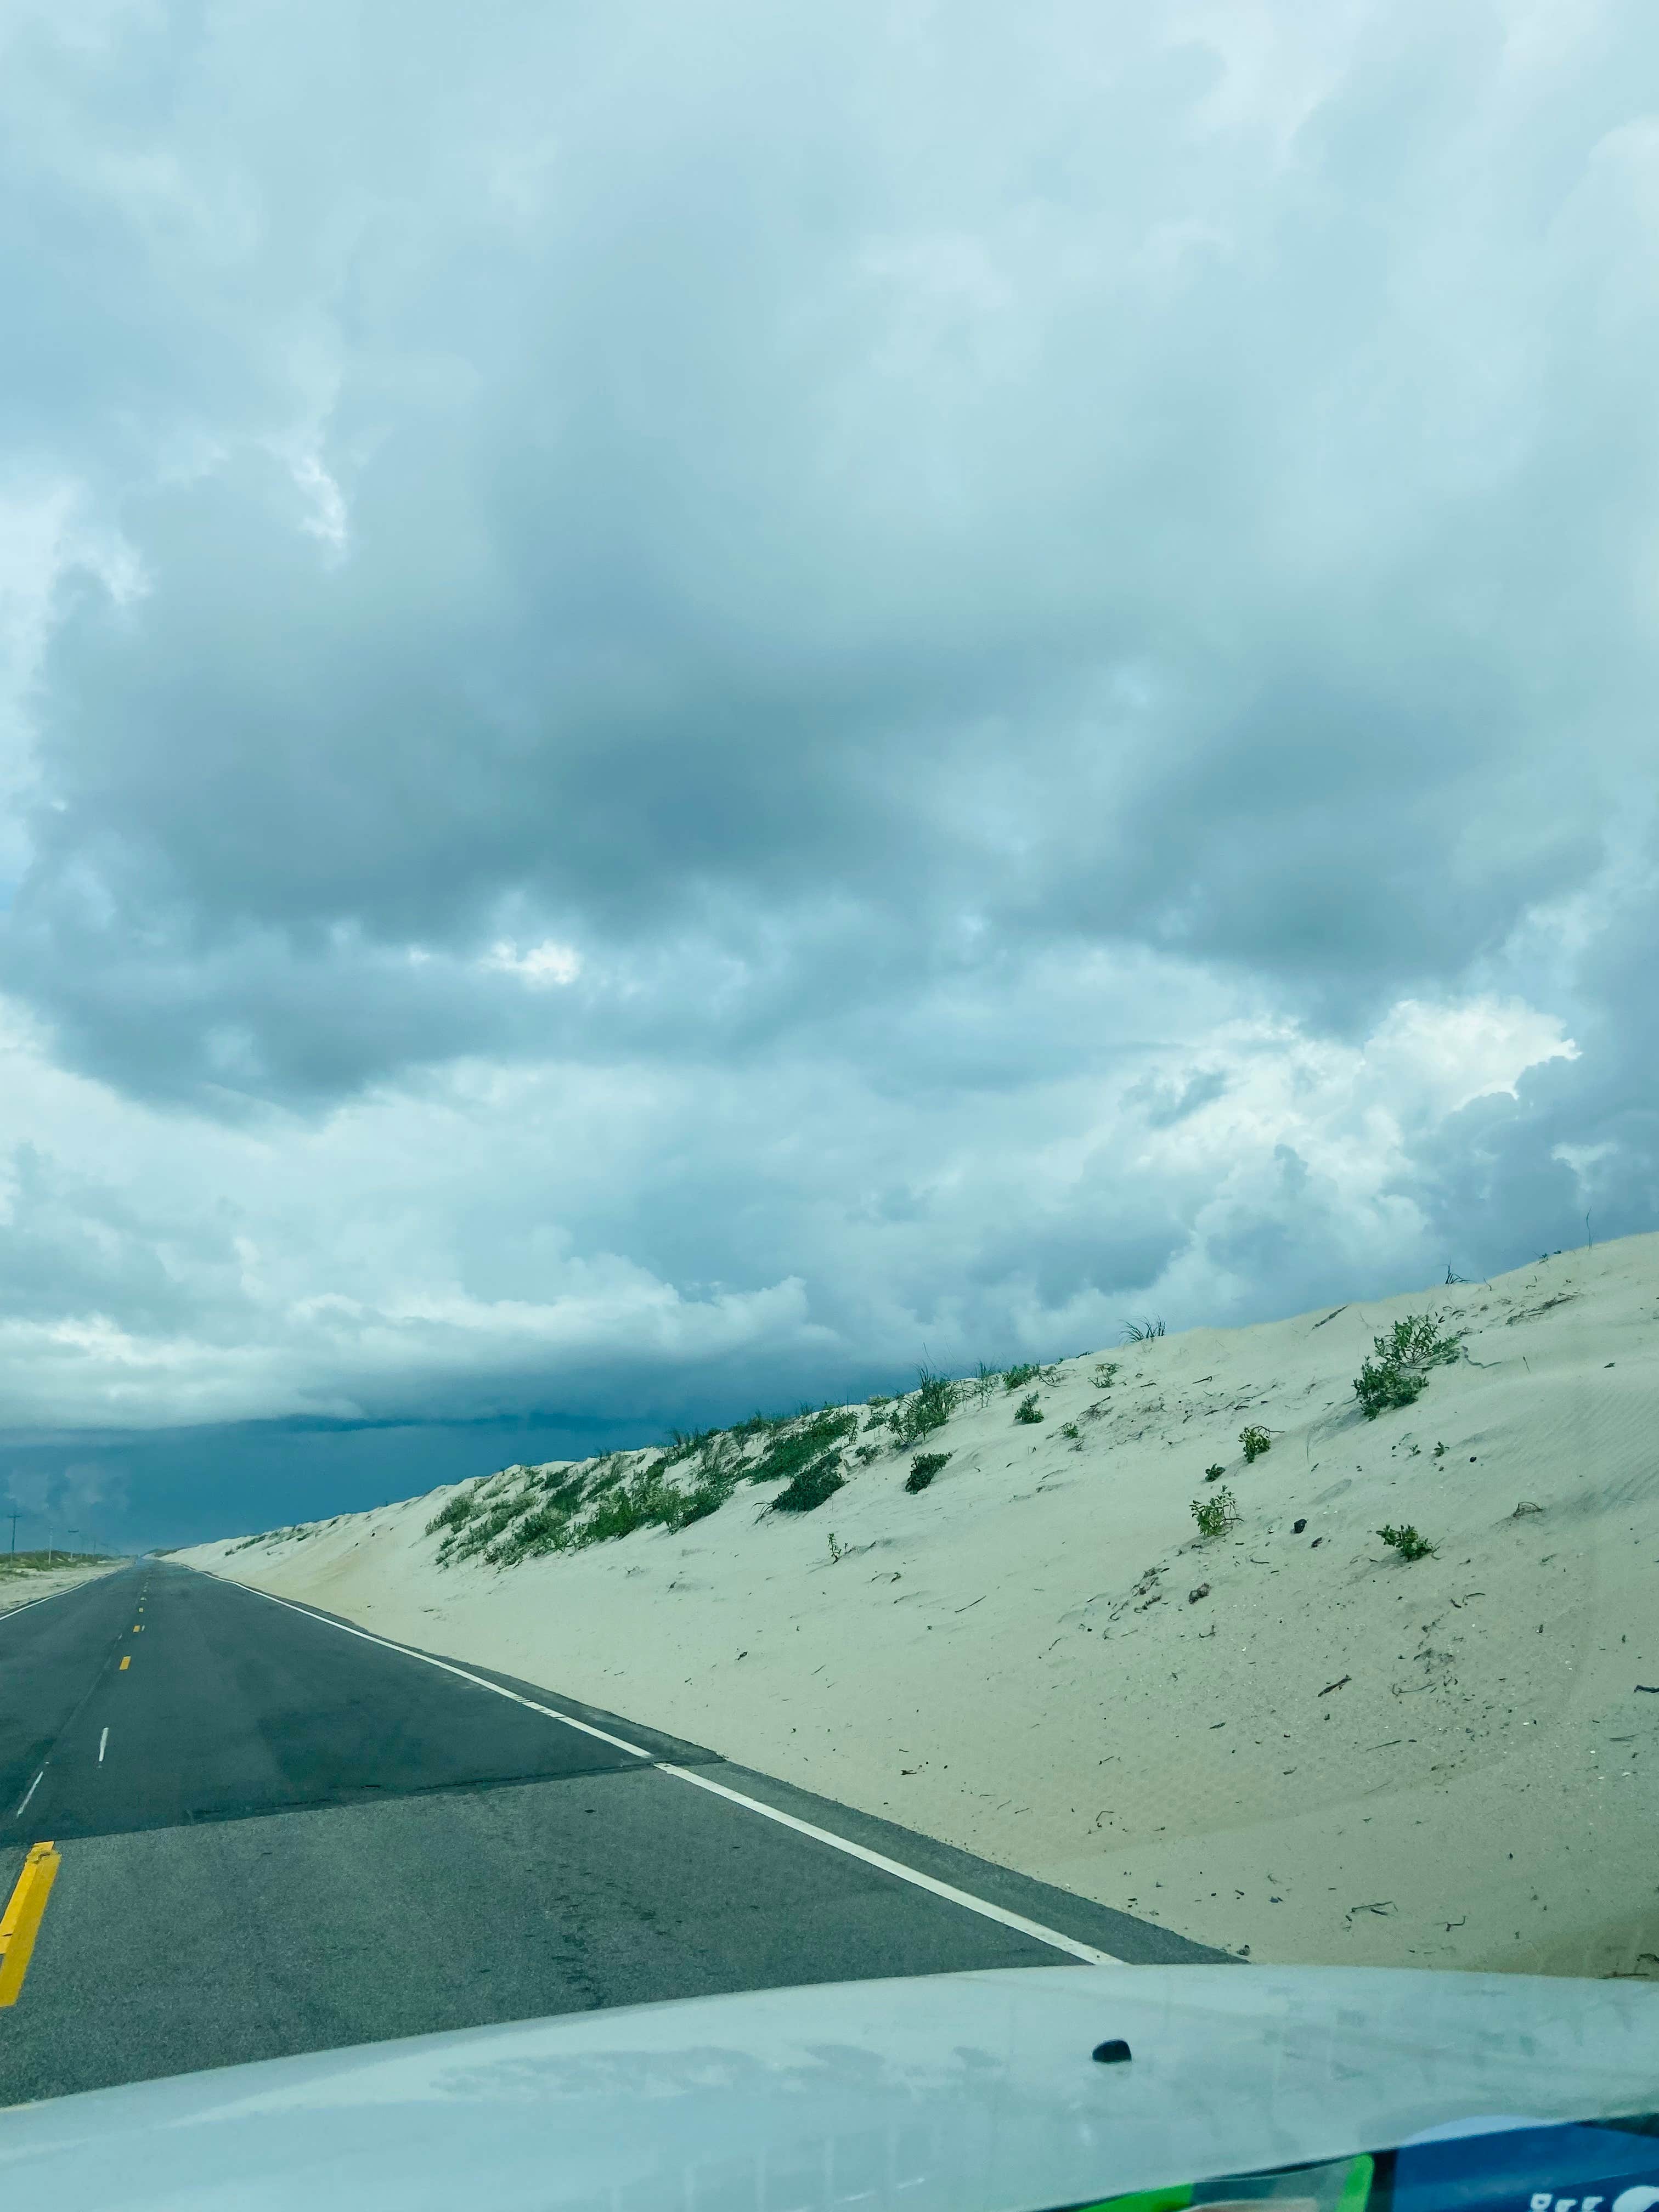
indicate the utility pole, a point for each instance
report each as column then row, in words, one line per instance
column 14, row 1533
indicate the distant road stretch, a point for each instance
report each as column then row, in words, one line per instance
column 273, row 1833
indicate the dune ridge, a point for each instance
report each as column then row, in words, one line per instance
column 1286, row 1740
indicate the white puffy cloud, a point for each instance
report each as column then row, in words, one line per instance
column 458, row 1248
column 692, row 695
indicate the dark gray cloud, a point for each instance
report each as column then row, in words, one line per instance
column 693, row 686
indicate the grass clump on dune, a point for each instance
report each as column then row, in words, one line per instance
column 450, row 1516
column 1397, row 1373
column 805, row 1455
column 923, row 1467
column 809, row 1489
column 797, row 1443
column 927, row 1407
column 1408, row 1543
column 1215, row 1515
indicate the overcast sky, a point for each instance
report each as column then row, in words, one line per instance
column 694, row 695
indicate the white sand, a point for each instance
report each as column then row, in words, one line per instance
column 23, row 1585
column 1009, row 1661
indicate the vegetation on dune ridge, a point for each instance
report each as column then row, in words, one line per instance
column 805, row 1458
column 280, row 1536
column 523, row 1511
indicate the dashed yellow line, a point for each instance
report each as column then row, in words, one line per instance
column 21, row 1924
column 125, row 1663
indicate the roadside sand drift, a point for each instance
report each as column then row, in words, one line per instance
column 21, row 1584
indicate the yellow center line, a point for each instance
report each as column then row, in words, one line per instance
column 20, row 1923
column 125, row 1663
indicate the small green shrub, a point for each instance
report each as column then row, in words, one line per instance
column 1406, row 1542
column 1142, row 1332
column 1016, row 1378
column 1417, row 1342
column 1070, row 1428
column 929, row 1406
column 1027, row 1409
column 1215, row 1515
column 864, row 1454
column 805, row 1491
column 1397, row 1373
column 618, row 1513
column 1439, row 1452
column 923, row 1467
column 697, row 1504
column 984, row 1383
column 1104, row 1375
column 1214, row 1473
column 1255, row 1441
column 1382, row 1389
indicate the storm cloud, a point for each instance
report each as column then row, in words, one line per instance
column 694, row 695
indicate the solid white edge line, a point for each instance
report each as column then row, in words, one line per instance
column 366, row 1636
column 1017, row 1921
column 102, row 1742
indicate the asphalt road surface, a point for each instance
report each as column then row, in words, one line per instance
column 279, row 1834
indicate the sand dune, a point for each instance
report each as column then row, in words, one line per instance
column 1330, row 1755
column 23, row 1585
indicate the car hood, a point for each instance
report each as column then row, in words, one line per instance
column 954, row 2093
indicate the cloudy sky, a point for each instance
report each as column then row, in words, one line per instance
column 694, row 694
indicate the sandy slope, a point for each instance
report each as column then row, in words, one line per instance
column 1331, row 1756
column 23, row 1586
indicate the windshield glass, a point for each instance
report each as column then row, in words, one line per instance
column 829, row 866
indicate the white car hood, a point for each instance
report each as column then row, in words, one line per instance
column 957, row 2093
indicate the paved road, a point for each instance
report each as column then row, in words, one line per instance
column 278, row 1835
